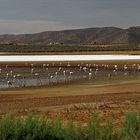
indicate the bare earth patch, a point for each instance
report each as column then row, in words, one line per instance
column 111, row 101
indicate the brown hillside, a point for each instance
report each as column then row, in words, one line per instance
column 103, row 35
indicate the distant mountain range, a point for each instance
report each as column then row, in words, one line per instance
column 104, row 35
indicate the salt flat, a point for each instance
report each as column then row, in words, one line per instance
column 28, row 58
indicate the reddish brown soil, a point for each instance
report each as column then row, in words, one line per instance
column 109, row 106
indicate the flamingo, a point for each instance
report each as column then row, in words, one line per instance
column 89, row 75
column 68, row 65
column 70, row 74
column 44, row 65
column 38, row 79
column 9, row 84
column 64, row 74
column 109, row 76
column 32, row 65
column 85, row 69
column 7, row 75
column 11, row 73
column 125, row 67
column 96, row 71
column 32, row 70
column 0, row 70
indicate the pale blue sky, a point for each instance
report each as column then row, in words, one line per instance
column 30, row 16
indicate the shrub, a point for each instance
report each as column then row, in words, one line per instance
column 34, row 128
column 131, row 129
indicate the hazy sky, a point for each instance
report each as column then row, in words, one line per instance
column 30, row 16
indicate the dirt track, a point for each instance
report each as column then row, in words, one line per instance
column 10, row 102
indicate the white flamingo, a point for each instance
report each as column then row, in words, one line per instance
column 11, row 73
column 68, row 65
column 32, row 70
column 6, row 66
column 116, row 67
column 14, row 78
column 96, row 71
column 90, row 70
column 38, row 79
column 32, row 65
column 89, row 75
column 84, row 69
column 125, row 67
column 59, row 68
column 44, row 65
column 133, row 66
column 70, row 74
column 64, row 74
column 80, row 68
column 108, row 75
column 7, row 75
column 9, row 84
column 56, row 76
column 138, row 67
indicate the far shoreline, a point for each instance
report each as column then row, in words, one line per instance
column 73, row 53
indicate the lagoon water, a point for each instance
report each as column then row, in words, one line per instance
column 26, row 58
column 43, row 76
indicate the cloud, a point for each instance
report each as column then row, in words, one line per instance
column 31, row 26
column 30, row 16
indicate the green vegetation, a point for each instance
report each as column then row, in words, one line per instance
column 64, row 48
column 33, row 128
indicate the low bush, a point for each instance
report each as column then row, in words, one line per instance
column 33, row 128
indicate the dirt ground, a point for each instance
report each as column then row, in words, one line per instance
column 110, row 100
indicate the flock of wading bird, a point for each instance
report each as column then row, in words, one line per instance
column 54, row 73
